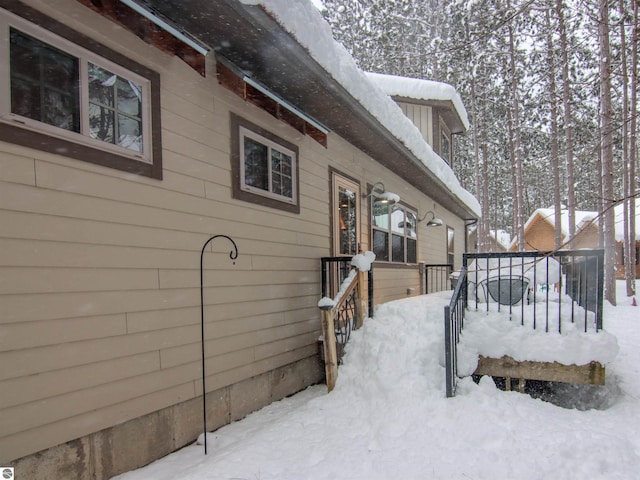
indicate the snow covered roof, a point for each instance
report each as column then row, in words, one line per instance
column 306, row 25
column 425, row 90
column 292, row 53
column 548, row 214
column 584, row 218
column 502, row 237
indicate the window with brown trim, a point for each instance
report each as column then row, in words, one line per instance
column 264, row 167
column 72, row 100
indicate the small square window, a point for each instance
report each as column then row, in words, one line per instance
column 265, row 167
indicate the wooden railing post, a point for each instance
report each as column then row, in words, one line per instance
column 361, row 300
column 329, row 345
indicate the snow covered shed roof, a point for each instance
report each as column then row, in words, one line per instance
column 548, row 214
column 427, row 92
column 292, row 52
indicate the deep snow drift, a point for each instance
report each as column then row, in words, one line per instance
column 388, row 417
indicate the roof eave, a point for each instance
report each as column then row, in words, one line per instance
column 247, row 35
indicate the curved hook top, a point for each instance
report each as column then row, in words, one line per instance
column 233, row 254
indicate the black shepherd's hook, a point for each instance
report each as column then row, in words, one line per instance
column 232, row 255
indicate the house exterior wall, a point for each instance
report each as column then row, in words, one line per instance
column 539, row 236
column 422, row 117
column 587, row 237
column 99, row 289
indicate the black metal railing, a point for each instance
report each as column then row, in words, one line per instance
column 334, row 272
column 437, row 277
column 541, row 289
column 453, row 325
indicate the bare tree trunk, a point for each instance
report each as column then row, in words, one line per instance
column 480, row 172
column 553, row 103
column 486, row 220
column 606, row 123
column 568, row 123
column 631, row 284
column 629, row 268
column 515, row 143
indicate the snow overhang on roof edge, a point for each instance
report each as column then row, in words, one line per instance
column 310, row 30
column 420, row 89
column 292, row 52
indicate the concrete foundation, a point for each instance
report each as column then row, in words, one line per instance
column 140, row 441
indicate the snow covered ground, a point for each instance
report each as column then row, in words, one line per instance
column 388, row 417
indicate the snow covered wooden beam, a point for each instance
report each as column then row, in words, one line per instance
column 592, row 373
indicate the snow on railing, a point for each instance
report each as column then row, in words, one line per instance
column 345, row 311
column 544, row 292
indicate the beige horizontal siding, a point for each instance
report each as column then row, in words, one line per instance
column 17, row 168
column 99, row 269
column 31, row 388
column 29, row 334
column 392, row 284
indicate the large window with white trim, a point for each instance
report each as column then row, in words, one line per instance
column 394, row 232
column 72, row 100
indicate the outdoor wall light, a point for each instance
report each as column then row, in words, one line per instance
column 434, row 222
column 382, row 196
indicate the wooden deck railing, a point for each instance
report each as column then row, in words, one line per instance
column 342, row 314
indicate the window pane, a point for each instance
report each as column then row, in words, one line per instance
column 129, row 96
column 450, row 235
column 129, row 133
column 412, row 256
column 398, row 219
column 446, row 147
column 380, row 245
column 101, row 83
column 380, row 215
column 282, row 180
column 102, row 123
column 111, row 97
column 412, row 221
column 256, row 168
column 347, row 218
column 44, row 83
column 397, row 248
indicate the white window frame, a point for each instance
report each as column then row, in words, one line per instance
column 271, row 145
column 9, row 20
column 451, row 245
column 390, row 231
column 340, row 183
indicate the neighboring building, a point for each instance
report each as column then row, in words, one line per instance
column 619, row 219
column 539, row 230
column 125, row 145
